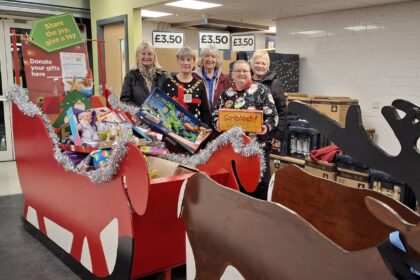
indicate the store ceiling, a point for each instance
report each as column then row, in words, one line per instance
column 255, row 12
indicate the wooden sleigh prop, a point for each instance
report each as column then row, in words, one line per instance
column 121, row 229
column 319, row 229
column 327, row 235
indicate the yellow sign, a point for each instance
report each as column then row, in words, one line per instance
column 248, row 120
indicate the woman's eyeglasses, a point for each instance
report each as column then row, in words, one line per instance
column 241, row 71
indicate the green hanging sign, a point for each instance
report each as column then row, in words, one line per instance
column 56, row 32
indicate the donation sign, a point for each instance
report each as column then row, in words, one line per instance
column 167, row 39
column 243, row 43
column 56, row 32
column 248, row 120
column 221, row 40
column 53, row 69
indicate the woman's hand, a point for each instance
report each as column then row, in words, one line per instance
column 263, row 131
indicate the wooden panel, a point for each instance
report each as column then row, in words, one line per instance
column 114, row 56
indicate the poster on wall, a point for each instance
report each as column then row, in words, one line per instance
column 55, row 58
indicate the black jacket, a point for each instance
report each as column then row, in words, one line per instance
column 276, row 87
column 134, row 89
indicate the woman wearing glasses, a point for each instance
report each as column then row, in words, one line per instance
column 246, row 94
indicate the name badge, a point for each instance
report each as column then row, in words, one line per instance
column 188, row 98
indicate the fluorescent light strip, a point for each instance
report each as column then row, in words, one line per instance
column 195, row 5
column 153, row 14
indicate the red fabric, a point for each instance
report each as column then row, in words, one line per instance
column 180, row 98
column 325, row 154
column 245, row 88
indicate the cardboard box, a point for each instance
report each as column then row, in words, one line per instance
column 302, row 98
column 354, row 179
column 165, row 168
column 248, row 120
column 278, row 162
column 322, row 169
column 333, row 107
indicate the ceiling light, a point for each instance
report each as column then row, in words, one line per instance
column 308, row 32
column 272, row 29
column 356, row 27
column 191, row 4
column 153, row 14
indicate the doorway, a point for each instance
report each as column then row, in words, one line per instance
column 7, row 78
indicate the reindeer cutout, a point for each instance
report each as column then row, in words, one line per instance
column 354, row 140
column 401, row 259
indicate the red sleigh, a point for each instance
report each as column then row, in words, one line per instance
column 121, row 229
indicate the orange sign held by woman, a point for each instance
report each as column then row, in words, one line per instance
column 248, row 120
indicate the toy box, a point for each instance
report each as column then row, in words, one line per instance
column 171, row 119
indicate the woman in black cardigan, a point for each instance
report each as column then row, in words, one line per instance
column 143, row 77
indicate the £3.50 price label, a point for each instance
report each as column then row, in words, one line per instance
column 220, row 40
column 243, row 43
column 167, row 39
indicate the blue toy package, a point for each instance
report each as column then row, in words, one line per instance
column 169, row 118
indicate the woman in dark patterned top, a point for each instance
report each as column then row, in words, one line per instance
column 246, row 94
column 189, row 92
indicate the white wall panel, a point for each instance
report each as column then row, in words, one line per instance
column 373, row 65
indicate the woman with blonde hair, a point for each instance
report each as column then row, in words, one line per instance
column 260, row 64
column 210, row 72
column 144, row 76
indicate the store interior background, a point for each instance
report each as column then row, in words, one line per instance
column 368, row 50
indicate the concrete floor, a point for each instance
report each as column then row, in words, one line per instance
column 21, row 255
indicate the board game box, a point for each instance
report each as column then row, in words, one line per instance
column 169, row 118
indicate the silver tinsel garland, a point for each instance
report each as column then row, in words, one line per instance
column 232, row 136
column 20, row 98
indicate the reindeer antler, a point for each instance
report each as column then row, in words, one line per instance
column 354, row 140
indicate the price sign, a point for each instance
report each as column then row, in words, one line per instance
column 221, row 40
column 243, row 43
column 167, row 39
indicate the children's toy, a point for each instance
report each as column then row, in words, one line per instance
column 99, row 158
column 171, row 119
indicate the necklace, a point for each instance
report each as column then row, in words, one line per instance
column 187, row 91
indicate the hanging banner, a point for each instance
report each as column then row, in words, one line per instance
column 167, row 39
column 221, row 40
column 56, row 32
column 243, row 43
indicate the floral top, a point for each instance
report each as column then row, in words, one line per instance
column 192, row 96
column 255, row 97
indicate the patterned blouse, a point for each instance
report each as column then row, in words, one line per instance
column 192, row 96
column 255, row 97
